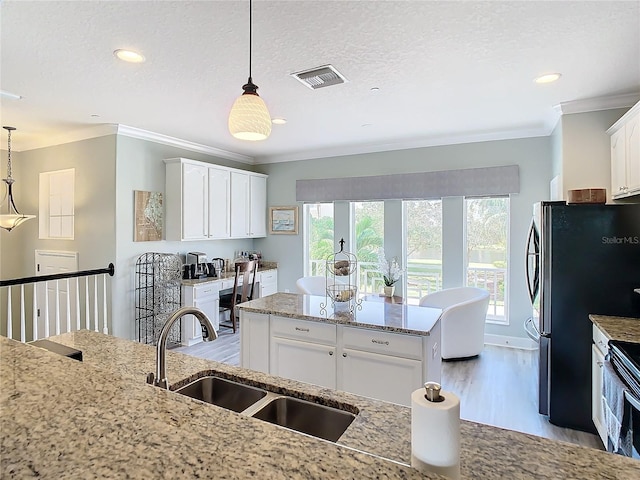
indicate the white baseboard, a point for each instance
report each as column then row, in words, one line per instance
column 512, row 342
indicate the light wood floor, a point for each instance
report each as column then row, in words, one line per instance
column 497, row 388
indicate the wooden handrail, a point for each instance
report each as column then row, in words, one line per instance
column 58, row 276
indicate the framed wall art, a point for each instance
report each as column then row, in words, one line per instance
column 148, row 216
column 283, row 220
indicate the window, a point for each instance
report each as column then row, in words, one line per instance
column 368, row 238
column 487, row 237
column 56, row 199
column 318, row 237
column 423, row 248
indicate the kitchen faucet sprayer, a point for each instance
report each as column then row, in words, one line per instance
column 208, row 334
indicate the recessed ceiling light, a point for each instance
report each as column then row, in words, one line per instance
column 95, row 115
column 548, row 78
column 374, row 89
column 278, row 121
column 364, row 125
column 129, row 56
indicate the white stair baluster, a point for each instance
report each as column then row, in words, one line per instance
column 104, row 304
column 86, row 303
column 46, row 309
column 23, row 327
column 95, row 302
column 77, row 304
column 34, row 313
column 9, row 319
column 68, row 308
column 57, row 307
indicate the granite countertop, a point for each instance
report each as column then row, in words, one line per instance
column 626, row 329
column 98, row 419
column 377, row 315
column 226, row 275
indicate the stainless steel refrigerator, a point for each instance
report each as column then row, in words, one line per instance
column 581, row 259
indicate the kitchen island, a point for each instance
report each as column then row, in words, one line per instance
column 338, row 345
column 61, row 418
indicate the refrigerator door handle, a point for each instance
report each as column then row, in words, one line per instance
column 533, row 250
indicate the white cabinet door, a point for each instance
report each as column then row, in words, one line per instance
column 379, row 376
column 240, row 227
column 303, row 361
column 597, row 363
column 195, row 211
column 258, row 206
column 632, row 140
column 254, row 341
column 618, row 163
column 206, row 298
column 210, row 306
column 219, row 203
column 268, row 283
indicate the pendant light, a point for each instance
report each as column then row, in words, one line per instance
column 249, row 118
column 13, row 217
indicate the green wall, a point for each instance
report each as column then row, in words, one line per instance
column 532, row 155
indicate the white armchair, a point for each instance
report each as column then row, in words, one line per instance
column 462, row 321
column 316, row 285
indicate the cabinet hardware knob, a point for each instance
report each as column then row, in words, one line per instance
column 600, row 364
column 344, row 355
column 330, row 353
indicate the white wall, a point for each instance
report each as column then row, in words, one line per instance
column 532, row 155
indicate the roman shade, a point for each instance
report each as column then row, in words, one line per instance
column 477, row 182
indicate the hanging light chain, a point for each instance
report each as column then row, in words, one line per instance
column 9, row 151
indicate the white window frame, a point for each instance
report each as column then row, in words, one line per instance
column 57, row 204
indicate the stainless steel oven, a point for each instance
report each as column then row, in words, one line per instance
column 625, row 358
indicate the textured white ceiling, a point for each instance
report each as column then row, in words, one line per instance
column 444, row 69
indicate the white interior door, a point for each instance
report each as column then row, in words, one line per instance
column 49, row 262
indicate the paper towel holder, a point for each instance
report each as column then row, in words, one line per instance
column 433, row 392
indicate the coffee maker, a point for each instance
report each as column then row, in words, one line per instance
column 197, row 262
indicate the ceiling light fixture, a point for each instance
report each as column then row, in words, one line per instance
column 249, row 118
column 548, row 78
column 13, row 217
column 129, row 56
column 278, row 121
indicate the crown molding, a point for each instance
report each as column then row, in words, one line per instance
column 346, row 150
column 134, row 132
column 598, row 103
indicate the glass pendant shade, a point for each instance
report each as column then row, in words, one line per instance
column 249, row 118
column 9, row 221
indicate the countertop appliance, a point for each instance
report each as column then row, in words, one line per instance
column 198, row 259
column 625, row 358
column 581, row 259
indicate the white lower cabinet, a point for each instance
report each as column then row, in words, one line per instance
column 369, row 362
column 303, row 361
column 254, row 341
column 598, row 351
column 268, row 283
column 379, row 376
column 205, row 297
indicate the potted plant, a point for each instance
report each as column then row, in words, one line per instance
column 391, row 272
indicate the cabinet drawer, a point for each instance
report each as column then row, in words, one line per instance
column 268, row 276
column 302, row 329
column 369, row 340
column 600, row 340
column 207, row 290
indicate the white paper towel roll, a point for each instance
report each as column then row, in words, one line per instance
column 435, row 434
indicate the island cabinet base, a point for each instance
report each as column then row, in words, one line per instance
column 365, row 361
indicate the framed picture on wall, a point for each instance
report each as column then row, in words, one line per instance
column 148, row 215
column 283, row 220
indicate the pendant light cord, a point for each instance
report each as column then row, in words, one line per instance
column 250, row 27
column 8, row 152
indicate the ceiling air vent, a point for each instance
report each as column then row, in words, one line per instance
column 320, row 77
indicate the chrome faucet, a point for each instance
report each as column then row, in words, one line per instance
column 208, row 334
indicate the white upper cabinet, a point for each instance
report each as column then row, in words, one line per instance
column 219, row 203
column 205, row 201
column 625, row 154
column 248, row 205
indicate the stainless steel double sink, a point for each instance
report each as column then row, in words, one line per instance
column 311, row 418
